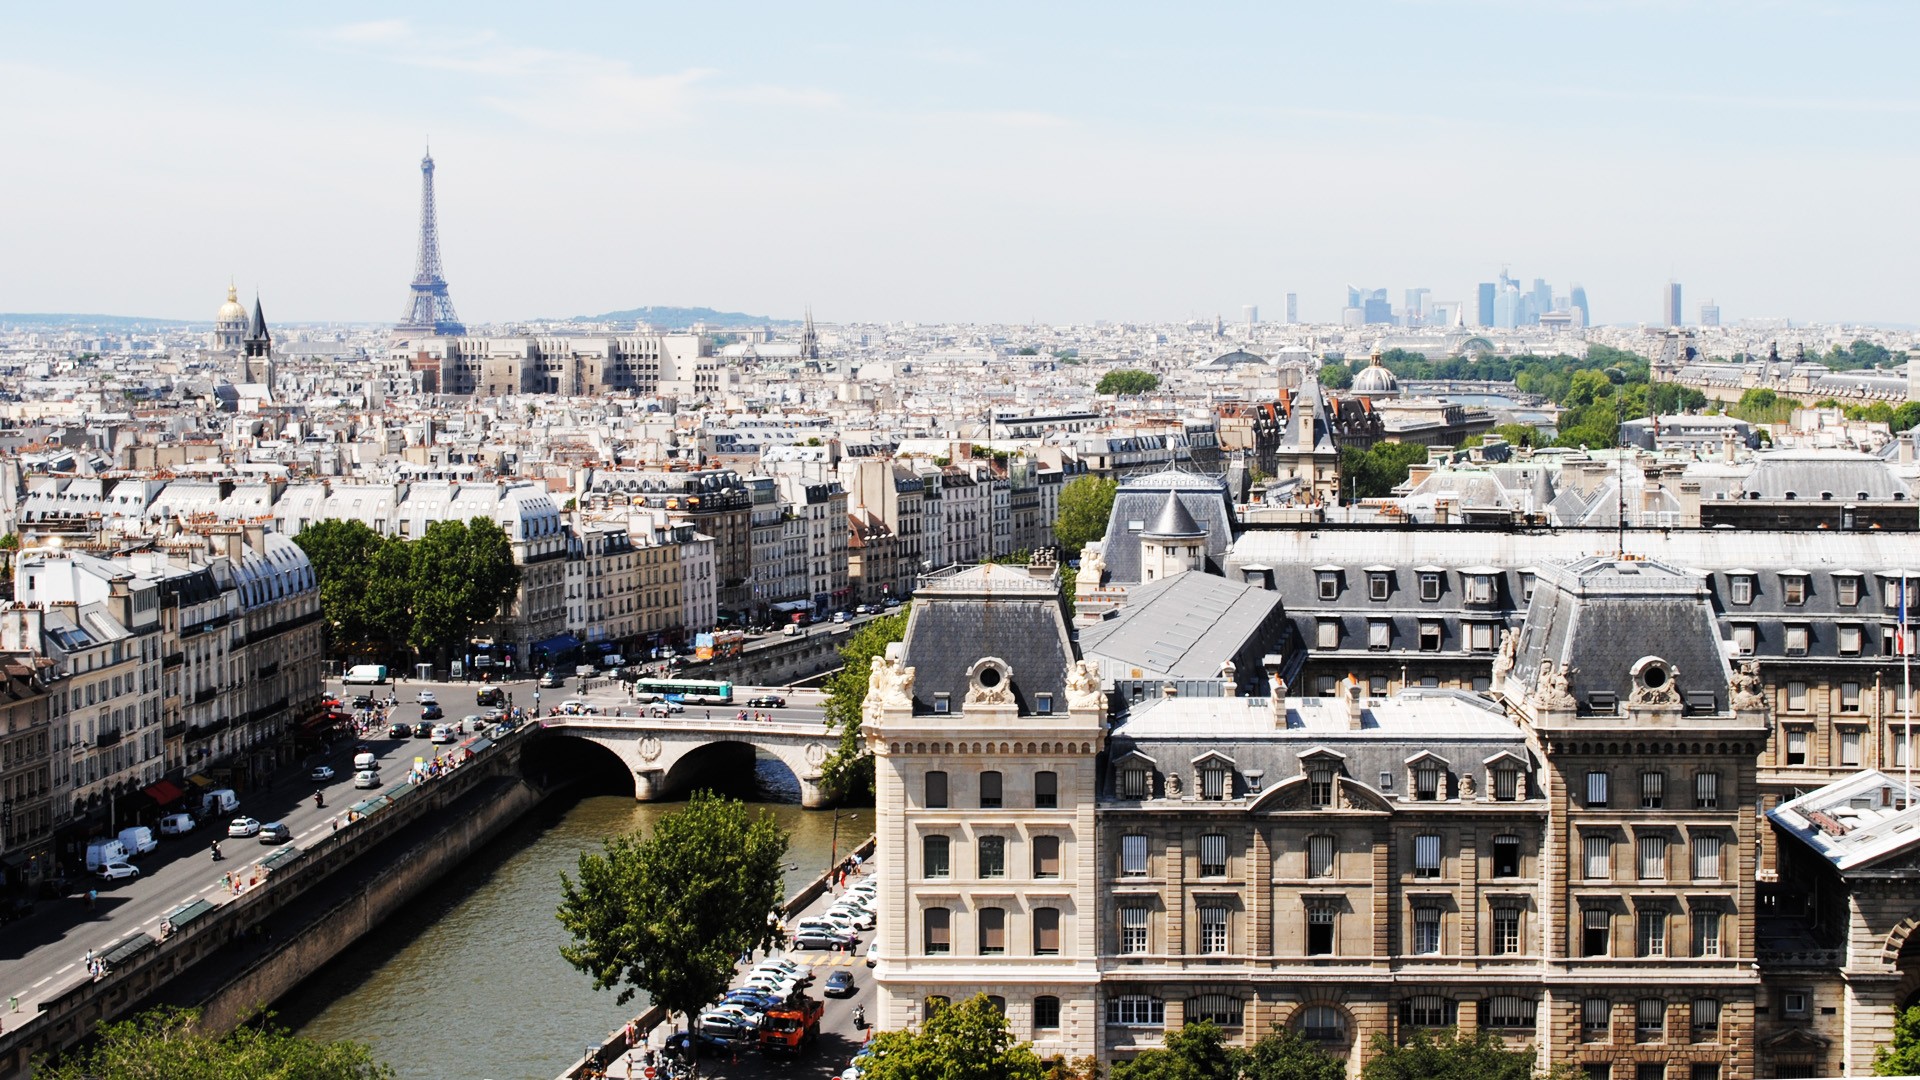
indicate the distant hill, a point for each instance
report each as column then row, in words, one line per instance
column 679, row 318
column 20, row 318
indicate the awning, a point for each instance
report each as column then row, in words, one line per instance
column 474, row 746
column 557, row 644
column 280, row 858
column 198, row 780
column 122, row 951
column 165, row 792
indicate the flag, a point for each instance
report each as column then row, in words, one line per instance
column 1900, row 631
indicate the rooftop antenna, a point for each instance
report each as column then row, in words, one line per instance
column 1619, row 477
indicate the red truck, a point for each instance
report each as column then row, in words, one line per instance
column 791, row 1026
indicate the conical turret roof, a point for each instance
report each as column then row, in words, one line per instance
column 1174, row 521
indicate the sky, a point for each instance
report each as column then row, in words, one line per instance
column 1016, row 163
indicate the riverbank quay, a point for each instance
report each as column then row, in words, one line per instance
column 627, row 1043
column 264, row 927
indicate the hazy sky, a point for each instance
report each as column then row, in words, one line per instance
column 978, row 162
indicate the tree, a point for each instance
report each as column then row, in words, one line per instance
column 1375, row 472
column 1903, row 1057
column 1336, row 376
column 365, row 612
column 1195, row 1052
column 1285, row 1054
column 1447, row 1056
column 1127, row 381
column 1519, row 434
column 848, row 771
column 462, row 575
column 967, row 1041
column 1084, row 505
column 170, row 1042
column 670, row 913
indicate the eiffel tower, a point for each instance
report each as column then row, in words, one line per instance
column 429, row 308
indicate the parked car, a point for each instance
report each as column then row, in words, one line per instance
column 823, row 939
column 177, row 824
column 432, row 712
column 759, row 999
column 860, row 918
column 243, row 826
column 841, row 616
column 552, row 680
column 665, row 708
column 117, row 871
column 399, row 731
column 366, row 778
column 839, row 984
column 767, row 701
column 275, row 832
column 873, row 952
column 323, row 772
column 490, row 695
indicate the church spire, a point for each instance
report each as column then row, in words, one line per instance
column 809, row 340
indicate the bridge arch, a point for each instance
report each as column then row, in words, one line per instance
column 561, row 757
column 665, row 756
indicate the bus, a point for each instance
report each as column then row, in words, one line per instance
column 687, row 691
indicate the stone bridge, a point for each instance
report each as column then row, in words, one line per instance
column 654, row 747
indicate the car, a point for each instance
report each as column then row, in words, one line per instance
column 778, row 963
column 275, row 832
column 422, row 730
column 362, row 701
column 490, row 695
column 873, row 952
column 432, row 712
column 117, row 871
column 746, row 1013
column 840, row 616
column 800, row 975
column 840, row 924
column 505, row 725
column 767, row 701
column 323, row 772
column 366, row 778
column 243, row 826
column 442, row 734
column 426, row 698
column 552, row 680
column 839, row 984
column 759, row 999
column 823, row 939
column 665, row 708
column 858, row 919
column 399, row 731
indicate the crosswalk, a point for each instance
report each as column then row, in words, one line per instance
column 823, row 959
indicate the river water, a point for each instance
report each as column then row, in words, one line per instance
column 469, row 981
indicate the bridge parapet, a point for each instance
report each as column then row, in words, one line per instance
column 651, row 746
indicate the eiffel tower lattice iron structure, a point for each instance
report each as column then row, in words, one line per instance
column 429, row 308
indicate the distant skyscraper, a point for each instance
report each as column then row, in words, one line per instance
column 1673, row 313
column 429, row 308
column 1486, row 303
column 1293, row 307
column 1578, row 297
column 1709, row 313
column 1253, row 316
column 1415, row 310
column 1542, row 299
column 1372, row 304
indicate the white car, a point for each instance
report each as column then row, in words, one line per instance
column 366, row 778
column 427, row 698
column 243, row 826
column 324, row 772
column 115, row 871
column 873, row 952
column 778, row 985
column 442, row 734
column 837, row 924
column 777, row 963
column 665, row 708
column 861, row 919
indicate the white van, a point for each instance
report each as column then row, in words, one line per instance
column 366, row 763
column 219, row 802
column 138, row 840
column 101, row 852
column 176, row 825
column 373, row 674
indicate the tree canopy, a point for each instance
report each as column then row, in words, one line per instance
column 1903, row 1057
column 382, row 595
column 965, row 1041
column 1199, row 1051
column 1335, row 376
column 462, row 574
column 1127, row 381
column 1374, row 473
column 1449, row 1055
column 1084, row 505
column 848, row 771
column 170, row 1042
column 669, row 913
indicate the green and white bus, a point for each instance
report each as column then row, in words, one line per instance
column 687, row 691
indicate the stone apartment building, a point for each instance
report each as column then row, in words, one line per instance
column 675, row 364
column 27, row 800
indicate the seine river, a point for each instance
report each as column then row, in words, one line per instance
column 470, row 982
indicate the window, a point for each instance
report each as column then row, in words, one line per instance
column 936, row 790
column 1796, row 696
column 1653, row 858
column 1706, row 791
column 1133, row 929
column 1899, row 748
column 933, row 857
column 1136, row 1011
column 1320, row 929
column 1213, row 855
column 1480, row 637
column 1796, row 1003
column 1213, row 783
column 1046, row 790
column 1650, row 1070
column 1596, row 929
column 1480, row 589
column 1796, row 746
column 1849, row 641
column 1323, row 1023
column 1596, row 790
column 1653, row 933
column 1740, row 589
column 942, row 703
column 1506, row 931
column 1596, row 1019
column 1426, row 856
column 1379, row 586
column 1213, row 930
column 1428, row 1010
column 1599, row 850
column 934, row 1003
column 1329, row 633
column 1650, row 1019
column 939, row 931
column 1133, row 783
column 1429, row 636
column 1046, row 1012
column 1046, row 931
column 1133, row 855
column 1796, row 640
column 1850, row 740
column 1705, row 1070
column 993, row 931
column 1329, row 584
column 1506, row 784
column 1429, row 586
column 1793, row 588
column 1320, row 787
column 1319, row 856
column 1506, row 856
column 1509, row 1011
column 1745, row 635
column 1653, row 790
column 1526, row 585
column 993, row 856
column 1379, row 634
column 1426, row 930
column 1426, row 781
column 1850, row 702
column 1046, row 856
column 1706, row 933
column 1706, row 858
column 989, row 790
column 1846, row 590
column 1043, row 704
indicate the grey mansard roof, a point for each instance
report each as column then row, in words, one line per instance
column 991, row 610
column 1142, row 500
column 1183, row 626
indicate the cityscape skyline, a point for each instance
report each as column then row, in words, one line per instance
column 1238, row 161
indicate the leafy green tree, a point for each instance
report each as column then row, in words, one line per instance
column 848, row 771
column 1758, row 397
column 367, row 612
column 462, row 574
column 1449, row 1055
column 1197, row 1051
column 169, row 1042
column 1127, row 381
column 966, row 1041
column 1519, row 434
column 670, row 913
column 1906, row 416
column 1085, row 503
column 1285, row 1054
column 1375, row 472
column 1336, row 376
column 1903, row 1057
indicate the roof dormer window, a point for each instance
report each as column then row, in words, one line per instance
column 1793, row 589
column 1740, row 588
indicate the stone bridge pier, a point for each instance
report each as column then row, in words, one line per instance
column 654, row 748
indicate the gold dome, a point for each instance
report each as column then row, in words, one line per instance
column 231, row 311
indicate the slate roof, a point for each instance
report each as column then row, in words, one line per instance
column 991, row 610
column 1855, row 822
column 1142, row 499
column 1183, row 626
column 1831, row 474
column 1174, row 522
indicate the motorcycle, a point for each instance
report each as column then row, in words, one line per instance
column 216, row 853
column 859, row 1018
column 319, row 800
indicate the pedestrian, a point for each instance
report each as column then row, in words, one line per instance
column 13, row 1003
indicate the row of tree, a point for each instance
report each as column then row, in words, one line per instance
column 384, row 597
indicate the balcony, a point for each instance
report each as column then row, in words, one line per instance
column 201, row 697
column 107, row 737
column 172, row 660
column 267, row 671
